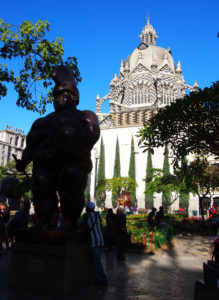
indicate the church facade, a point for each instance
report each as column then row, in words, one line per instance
column 148, row 79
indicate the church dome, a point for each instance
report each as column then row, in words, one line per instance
column 148, row 79
column 150, row 56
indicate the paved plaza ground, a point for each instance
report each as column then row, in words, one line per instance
column 170, row 274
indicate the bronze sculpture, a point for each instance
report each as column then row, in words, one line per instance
column 59, row 145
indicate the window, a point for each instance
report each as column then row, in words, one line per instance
column 168, row 95
column 16, row 140
column 9, row 154
column 141, row 94
column 22, row 143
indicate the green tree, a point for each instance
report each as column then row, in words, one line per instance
column 117, row 184
column 166, row 197
column 200, row 178
column 132, row 168
column 167, row 184
column 188, row 125
column 149, row 195
column 36, row 58
column 24, row 184
column 101, row 195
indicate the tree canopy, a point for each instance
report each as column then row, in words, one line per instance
column 189, row 125
column 117, row 184
column 200, row 178
column 167, row 184
column 24, row 184
column 36, row 58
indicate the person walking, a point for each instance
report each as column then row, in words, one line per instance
column 91, row 220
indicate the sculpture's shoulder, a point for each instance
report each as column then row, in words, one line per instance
column 90, row 121
column 36, row 123
column 90, row 116
column 40, row 122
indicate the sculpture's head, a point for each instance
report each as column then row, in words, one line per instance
column 65, row 92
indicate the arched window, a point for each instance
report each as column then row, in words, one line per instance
column 140, row 94
column 168, row 94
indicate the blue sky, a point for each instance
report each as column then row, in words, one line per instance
column 101, row 33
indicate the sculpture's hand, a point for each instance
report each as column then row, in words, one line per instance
column 20, row 165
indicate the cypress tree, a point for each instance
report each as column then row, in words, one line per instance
column 116, row 171
column 166, row 197
column 132, row 168
column 101, row 170
column 149, row 196
column 184, row 196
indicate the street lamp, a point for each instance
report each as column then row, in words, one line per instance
column 97, row 156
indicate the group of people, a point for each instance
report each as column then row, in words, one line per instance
column 155, row 218
column 8, row 226
column 116, row 233
column 116, row 236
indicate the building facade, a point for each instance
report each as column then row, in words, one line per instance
column 12, row 141
column 148, row 79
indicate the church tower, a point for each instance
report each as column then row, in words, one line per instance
column 147, row 80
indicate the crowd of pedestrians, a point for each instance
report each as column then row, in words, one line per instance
column 114, row 237
column 9, row 225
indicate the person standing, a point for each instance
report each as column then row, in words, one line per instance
column 4, row 218
column 91, row 220
column 20, row 220
column 151, row 218
column 110, row 229
column 159, row 215
column 212, row 212
column 121, row 232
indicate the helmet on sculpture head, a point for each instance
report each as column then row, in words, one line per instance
column 65, row 82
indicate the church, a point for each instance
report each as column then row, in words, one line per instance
column 148, row 79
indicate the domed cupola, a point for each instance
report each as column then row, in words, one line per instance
column 148, row 35
column 147, row 79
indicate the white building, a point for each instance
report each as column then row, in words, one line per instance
column 12, row 141
column 148, row 79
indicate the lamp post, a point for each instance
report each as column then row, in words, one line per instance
column 97, row 156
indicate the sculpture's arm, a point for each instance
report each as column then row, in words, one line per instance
column 27, row 155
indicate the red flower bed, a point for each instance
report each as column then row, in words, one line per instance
column 192, row 218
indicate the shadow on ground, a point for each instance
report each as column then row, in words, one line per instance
column 168, row 275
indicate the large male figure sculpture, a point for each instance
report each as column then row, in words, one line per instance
column 59, row 145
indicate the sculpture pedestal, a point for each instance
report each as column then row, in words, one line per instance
column 52, row 263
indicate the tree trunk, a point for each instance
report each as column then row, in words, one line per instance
column 201, row 208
